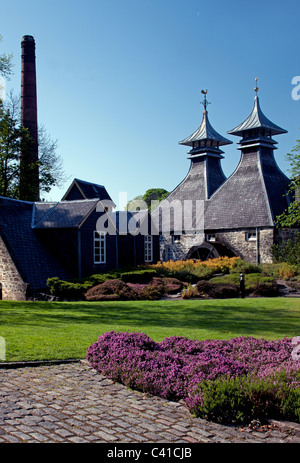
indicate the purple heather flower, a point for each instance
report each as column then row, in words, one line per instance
column 175, row 368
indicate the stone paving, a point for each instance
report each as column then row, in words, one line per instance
column 72, row 403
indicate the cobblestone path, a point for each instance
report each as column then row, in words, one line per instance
column 73, row 403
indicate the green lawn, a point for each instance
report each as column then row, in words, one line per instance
column 63, row 330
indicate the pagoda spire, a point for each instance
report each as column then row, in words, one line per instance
column 257, row 126
column 205, row 140
column 206, row 174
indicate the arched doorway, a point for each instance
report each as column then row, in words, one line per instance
column 209, row 251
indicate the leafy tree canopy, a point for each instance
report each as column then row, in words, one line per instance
column 5, row 64
column 149, row 200
column 291, row 216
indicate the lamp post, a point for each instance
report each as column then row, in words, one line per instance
column 242, row 286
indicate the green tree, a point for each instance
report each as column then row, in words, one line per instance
column 5, row 64
column 150, row 199
column 288, row 251
column 291, row 216
column 11, row 138
column 154, row 196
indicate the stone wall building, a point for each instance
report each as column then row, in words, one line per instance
column 208, row 215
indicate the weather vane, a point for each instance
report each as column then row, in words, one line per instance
column 256, row 87
column 205, row 102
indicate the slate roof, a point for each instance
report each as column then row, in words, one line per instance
column 64, row 214
column 255, row 120
column 34, row 262
column 251, row 197
column 40, row 210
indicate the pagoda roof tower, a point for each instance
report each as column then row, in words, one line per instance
column 257, row 127
column 257, row 120
column 256, row 193
column 205, row 175
column 205, row 139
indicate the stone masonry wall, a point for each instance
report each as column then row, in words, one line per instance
column 13, row 286
column 256, row 251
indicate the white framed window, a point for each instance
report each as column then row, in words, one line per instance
column 148, row 248
column 250, row 236
column 210, row 237
column 99, row 247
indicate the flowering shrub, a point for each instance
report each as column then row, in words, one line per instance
column 218, row 265
column 227, row 381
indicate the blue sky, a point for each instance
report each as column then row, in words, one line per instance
column 119, row 81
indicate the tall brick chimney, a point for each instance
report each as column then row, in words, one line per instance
column 29, row 170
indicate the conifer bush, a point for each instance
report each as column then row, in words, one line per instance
column 68, row 290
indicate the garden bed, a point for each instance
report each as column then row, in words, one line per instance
column 215, row 278
column 231, row 381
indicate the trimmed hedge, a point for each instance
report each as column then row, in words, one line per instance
column 68, row 290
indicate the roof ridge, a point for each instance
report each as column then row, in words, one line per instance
column 17, row 200
column 88, row 183
column 264, row 187
column 86, row 200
